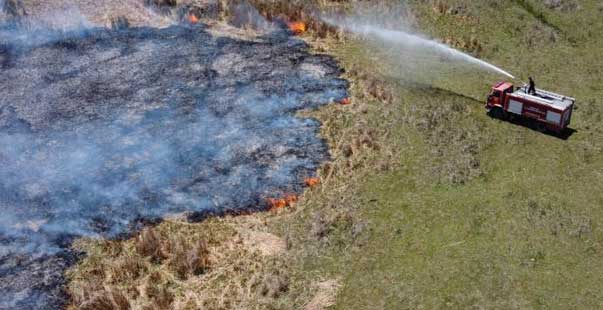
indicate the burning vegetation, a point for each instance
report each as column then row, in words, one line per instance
column 192, row 18
column 345, row 101
column 276, row 204
column 312, row 182
column 366, row 138
column 299, row 16
column 297, row 27
column 119, row 127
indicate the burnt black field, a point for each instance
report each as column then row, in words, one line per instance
column 102, row 130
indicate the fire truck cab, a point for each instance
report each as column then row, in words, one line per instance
column 548, row 110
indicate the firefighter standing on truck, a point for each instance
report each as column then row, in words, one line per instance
column 532, row 88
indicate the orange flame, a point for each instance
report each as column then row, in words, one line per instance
column 291, row 199
column 193, row 19
column 297, row 27
column 345, row 101
column 311, row 182
column 274, row 204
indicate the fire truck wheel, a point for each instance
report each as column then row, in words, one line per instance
column 497, row 113
column 541, row 127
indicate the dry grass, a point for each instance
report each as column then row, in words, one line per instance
column 148, row 244
column 119, row 22
column 109, row 13
column 241, row 263
column 325, row 297
column 218, row 264
column 161, row 3
column 12, row 8
column 300, row 12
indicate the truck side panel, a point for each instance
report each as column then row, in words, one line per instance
column 553, row 117
column 515, row 107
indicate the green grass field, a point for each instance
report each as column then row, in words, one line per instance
column 472, row 212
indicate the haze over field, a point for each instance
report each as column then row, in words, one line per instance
column 272, row 154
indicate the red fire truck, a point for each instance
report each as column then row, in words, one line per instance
column 547, row 110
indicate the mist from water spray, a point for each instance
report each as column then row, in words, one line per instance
column 411, row 41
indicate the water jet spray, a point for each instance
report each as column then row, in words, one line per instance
column 410, row 41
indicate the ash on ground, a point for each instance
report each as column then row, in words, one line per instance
column 102, row 129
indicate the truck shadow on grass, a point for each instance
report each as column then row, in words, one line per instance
column 533, row 125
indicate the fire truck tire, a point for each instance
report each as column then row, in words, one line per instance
column 497, row 113
column 540, row 127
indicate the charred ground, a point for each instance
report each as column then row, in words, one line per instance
column 426, row 202
column 102, row 128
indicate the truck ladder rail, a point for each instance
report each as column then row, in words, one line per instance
column 551, row 94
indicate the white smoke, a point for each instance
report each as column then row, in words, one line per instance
column 102, row 131
column 244, row 14
column 190, row 134
column 68, row 18
column 50, row 26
